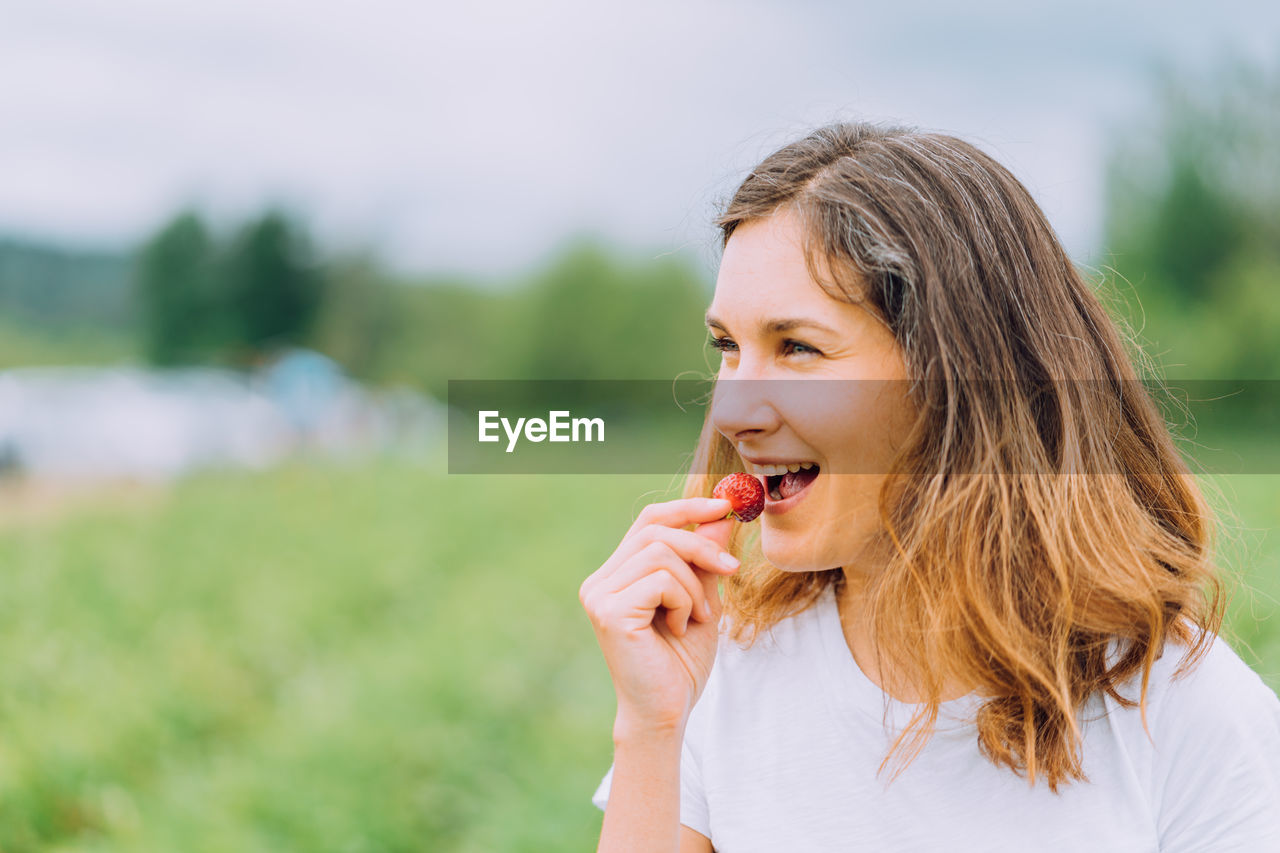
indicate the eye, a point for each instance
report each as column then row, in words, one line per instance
column 788, row 346
column 804, row 348
column 722, row 344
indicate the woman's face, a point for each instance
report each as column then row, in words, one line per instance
column 774, row 322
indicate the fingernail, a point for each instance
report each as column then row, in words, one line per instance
column 706, row 610
column 729, row 561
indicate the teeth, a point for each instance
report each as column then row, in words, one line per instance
column 778, row 470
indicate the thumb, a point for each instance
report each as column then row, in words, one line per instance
column 718, row 532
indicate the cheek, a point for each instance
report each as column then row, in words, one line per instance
column 851, row 434
column 872, row 423
column 854, row 497
column 835, row 529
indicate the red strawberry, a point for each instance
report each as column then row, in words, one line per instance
column 745, row 492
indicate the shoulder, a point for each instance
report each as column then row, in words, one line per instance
column 1215, row 728
column 1211, row 718
column 1201, row 702
column 1216, row 687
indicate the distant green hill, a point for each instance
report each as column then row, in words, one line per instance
column 60, row 289
column 64, row 306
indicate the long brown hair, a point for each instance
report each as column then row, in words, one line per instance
column 1077, row 523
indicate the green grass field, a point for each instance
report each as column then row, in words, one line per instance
column 29, row 345
column 374, row 658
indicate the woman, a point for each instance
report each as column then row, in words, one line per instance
column 1000, row 580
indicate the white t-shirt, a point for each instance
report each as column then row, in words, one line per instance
column 781, row 752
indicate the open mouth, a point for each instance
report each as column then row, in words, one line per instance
column 779, row 487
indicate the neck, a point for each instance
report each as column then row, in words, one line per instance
column 855, row 622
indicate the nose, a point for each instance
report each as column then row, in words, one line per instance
column 744, row 408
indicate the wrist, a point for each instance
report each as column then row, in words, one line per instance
column 629, row 728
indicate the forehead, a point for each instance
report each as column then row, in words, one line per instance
column 763, row 271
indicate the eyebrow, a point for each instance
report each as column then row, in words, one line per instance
column 782, row 324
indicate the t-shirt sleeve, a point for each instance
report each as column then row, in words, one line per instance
column 1217, row 758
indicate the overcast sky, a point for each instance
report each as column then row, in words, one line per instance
column 476, row 137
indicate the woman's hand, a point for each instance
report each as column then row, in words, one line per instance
column 660, row 662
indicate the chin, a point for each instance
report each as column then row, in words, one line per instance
column 784, row 557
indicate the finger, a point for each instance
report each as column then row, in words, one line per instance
column 682, row 512
column 692, row 551
column 659, row 589
column 717, row 532
column 657, row 557
column 702, row 551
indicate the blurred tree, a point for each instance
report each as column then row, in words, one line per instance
column 665, row 332
column 1193, row 218
column 273, row 283
column 595, row 317
column 446, row 330
column 355, row 321
column 1193, row 231
column 589, row 314
column 175, row 287
column 578, row 318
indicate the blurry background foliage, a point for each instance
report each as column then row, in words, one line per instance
column 1192, row 251
column 192, row 296
column 1193, row 222
column 382, row 658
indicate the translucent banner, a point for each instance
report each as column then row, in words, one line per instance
column 858, row 426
